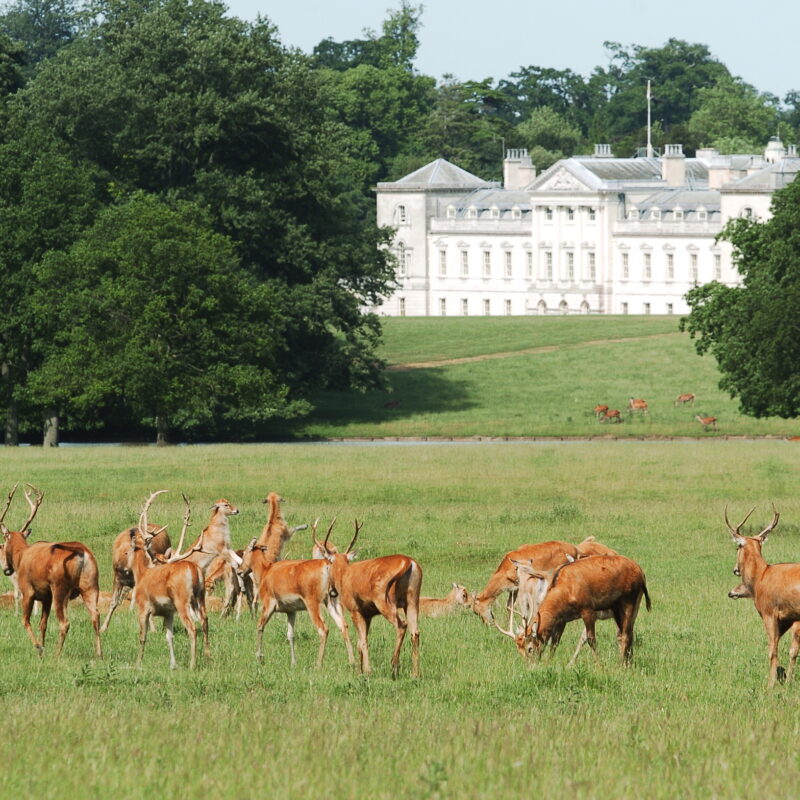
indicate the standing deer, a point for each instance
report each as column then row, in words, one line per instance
column 637, row 404
column 775, row 589
column 544, row 556
column 600, row 410
column 684, row 399
column 164, row 589
column 612, row 415
column 52, row 573
column 707, row 422
column 384, row 586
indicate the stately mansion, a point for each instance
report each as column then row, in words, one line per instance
column 591, row 235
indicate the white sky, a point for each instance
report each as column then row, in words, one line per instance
column 477, row 39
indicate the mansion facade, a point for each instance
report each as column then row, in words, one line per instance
column 592, row 234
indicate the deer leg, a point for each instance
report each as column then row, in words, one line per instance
column 581, row 643
column 338, row 618
column 266, row 614
column 315, row 613
column 201, row 613
column 90, row 597
column 144, row 625
column 361, row 624
column 27, row 608
column 589, row 623
column 794, row 649
column 191, row 630
column 291, row 616
column 773, row 637
column 117, row 596
column 232, row 592
column 412, row 617
column 61, row 601
column 173, row 664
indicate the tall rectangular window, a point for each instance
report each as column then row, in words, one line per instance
column 648, row 266
column 570, row 215
column 402, row 302
column 529, row 265
column 669, row 308
column 487, row 263
column 464, row 263
column 670, row 266
column 693, row 265
column 571, row 266
column 442, row 307
column 717, row 267
column 548, row 264
column 624, row 308
column 507, row 257
column 442, row 263
column 401, row 260
column 592, row 263
column 548, row 214
column 647, row 308
column 508, row 308
column 465, row 307
column 486, row 308
column 592, row 215
column 626, row 266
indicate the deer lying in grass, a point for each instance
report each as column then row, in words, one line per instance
column 599, row 587
column 384, row 586
column 544, row 556
column 52, row 573
column 122, row 565
column 775, row 589
column 457, row 600
column 164, row 589
column 290, row 586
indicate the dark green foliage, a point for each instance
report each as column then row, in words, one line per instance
column 753, row 331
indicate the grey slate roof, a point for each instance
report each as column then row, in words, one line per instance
column 769, row 179
column 439, row 174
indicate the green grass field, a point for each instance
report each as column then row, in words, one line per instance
column 690, row 718
column 580, row 364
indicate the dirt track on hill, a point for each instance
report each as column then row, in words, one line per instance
column 551, row 348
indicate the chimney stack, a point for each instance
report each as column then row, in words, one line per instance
column 673, row 165
column 518, row 170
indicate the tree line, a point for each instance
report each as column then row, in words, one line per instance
column 187, row 224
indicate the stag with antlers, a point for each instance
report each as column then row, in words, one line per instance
column 52, row 573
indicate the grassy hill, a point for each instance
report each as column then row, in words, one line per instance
column 534, row 376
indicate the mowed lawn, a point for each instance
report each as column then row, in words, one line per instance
column 552, row 372
column 690, row 718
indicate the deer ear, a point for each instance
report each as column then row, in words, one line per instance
column 570, row 559
column 352, row 555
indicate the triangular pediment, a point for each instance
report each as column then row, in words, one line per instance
column 561, row 180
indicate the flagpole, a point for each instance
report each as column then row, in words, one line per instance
column 649, row 127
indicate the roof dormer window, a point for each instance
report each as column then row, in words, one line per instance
column 472, row 213
column 655, row 213
column 702, row 214
column 451, row 212
column 494, row 212
column 516, row 213
column 677, row 213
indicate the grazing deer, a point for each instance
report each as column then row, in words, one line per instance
column 775, row 589
column 599, row 411
column 52, row 573
column 544, row 556
column 385, row 586
column 458, row 599
column 164, row 589
column 591, row 547
column 684, row 399
column 290, row 586
column 637, row 404
column 122, row 565
column 589, row 589
column 612, row 415
column 707, row 422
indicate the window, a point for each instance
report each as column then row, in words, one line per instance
column 747, row 212
column 516, row 213
column 507, row 256
column 442, row 263
column 648, row 266
column 655, row 213
column 451, row 212
column 402, row 217
column 402, row 260
column 678, row 214
column 571, row 266
column 442, row 307
column 592, row 264
column 647, row 308
column 464, row 263
column 670, row 266
column 495, row 212
column 702, row 215
column 693, row 264
column 633, row 215
column 464, row 307
column 592, row 214
column 669, row 308
column 486, row 308
column 548, row 214
column 717, row 267
column 487, row 263
column 472, row 213
column 624, row 308
column 626, row 266
column 570, row 215
column 529, row 265
column 508, row 308
column 548, row 264
column 402, row 306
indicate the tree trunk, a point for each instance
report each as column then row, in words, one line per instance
column 162, row 430
column 12, row 426
column 50, row 438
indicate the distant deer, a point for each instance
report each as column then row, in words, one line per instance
column 707, row 422
column 612, row 415
column 637, row 404
column 775, row 589
column 599, row 411
column 458, row 599
column 684, row 400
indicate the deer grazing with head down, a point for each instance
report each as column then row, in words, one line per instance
column 379, row 586
column 165, row 588
column 290, row 586
column 775, row 589
column 599, row 587
column 684, row 399
column 611, row 415
column 52, row 573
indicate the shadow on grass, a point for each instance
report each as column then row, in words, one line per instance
column 410, row 394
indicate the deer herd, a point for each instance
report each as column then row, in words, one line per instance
column 636, row 405
column 548, row 584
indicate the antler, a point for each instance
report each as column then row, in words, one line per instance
column 771, row 527
column 187, row 515
column 358, row 528
column 510, row 632
column 34, row 504
column 143, row 527
column 737, row 530
column 8, row 505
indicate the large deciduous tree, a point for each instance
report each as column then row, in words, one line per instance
column 753, row 330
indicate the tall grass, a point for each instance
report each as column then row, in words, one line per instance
column 691, row 717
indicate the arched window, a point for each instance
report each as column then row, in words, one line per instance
column 563, row 307
column 584, row 307
column 541, row 308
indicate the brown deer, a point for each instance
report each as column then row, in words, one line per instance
column 612, row 415
column 599, row 411
column 290, row 586
column 684, row 399
column 589, row 589
column 164, row 589
column 52, row 573
column 544, row 556
column 122, row 565
column 707, row 422
column 775, row 589
column 637, row 404
column 591, row 547
column 458, row 599
column 385, row 586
